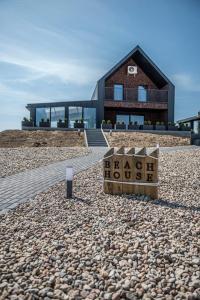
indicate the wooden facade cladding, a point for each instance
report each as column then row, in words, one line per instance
column 124, row 104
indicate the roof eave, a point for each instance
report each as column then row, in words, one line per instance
column 137, row 48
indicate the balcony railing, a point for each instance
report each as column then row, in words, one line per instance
column 135, row 95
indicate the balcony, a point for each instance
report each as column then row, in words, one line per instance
column 151, row 99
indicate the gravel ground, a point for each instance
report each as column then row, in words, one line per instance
column 139, row 139
column 40, row 138
column 15, row 160
column 99, row 246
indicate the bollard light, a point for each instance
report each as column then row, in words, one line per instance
column 157, row 146
column 69, row 181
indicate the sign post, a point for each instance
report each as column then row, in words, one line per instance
column 131, row 172
column 69, row 181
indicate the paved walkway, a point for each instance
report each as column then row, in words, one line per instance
column 26, row 185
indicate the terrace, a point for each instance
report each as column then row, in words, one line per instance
column 136, row 97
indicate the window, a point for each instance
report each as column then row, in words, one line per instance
column 42, row 113
column 142, row 93
column 118, row 92
column 136, row 119
column 57, row 113
column 123, row 118
column 89, row 117
column 75, row 113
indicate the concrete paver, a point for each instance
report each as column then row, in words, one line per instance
column 26, row 185
column 23, row 186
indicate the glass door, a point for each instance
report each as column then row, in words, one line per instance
column 123, row 118
column 57, row 113
column 137, row 120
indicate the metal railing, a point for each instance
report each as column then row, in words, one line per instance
column 136, row 95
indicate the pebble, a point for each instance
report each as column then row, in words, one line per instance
column 15, row 160
column 53, row 248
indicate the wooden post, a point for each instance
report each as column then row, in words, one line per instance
column 128, row 172
column 107, row 169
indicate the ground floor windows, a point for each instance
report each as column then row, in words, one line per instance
column 127, row 119
column 57, row 113
column 75, row 114
column 67, row 115
column 85, row 114
column 123, row 119
column 89, row 115
column 196, row 126
column 136, row 119
column 42, row 114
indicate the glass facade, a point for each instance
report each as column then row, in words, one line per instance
column 142, row 93
column 196, row 126
column 118, row 92
column 42, row 113
column 136, row 119
column 75, row 113
column 57, row 113
column 89, row 115
column 123, row 118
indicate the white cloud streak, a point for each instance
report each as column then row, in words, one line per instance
column 67, row 71
column 186, row 82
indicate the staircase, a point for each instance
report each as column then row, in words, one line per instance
column 95, row 138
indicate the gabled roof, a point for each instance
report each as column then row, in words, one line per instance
column 145, row 63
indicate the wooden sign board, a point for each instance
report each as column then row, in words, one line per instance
column 130, row 172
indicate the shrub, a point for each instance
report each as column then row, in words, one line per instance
column 25, row 119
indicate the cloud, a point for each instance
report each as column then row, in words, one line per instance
column 186, row 82
column 66, row 69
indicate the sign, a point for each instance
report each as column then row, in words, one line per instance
column 130, row 172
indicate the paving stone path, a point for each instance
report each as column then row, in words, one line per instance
column 26, row 185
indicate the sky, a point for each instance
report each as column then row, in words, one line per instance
column 53, row 50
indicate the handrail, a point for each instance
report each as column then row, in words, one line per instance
column 134, row 94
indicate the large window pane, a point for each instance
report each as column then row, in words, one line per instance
column 75, row 113
column 90, row 117
column 123, row 118
column 118, row 92
column 196, row 126
column 57, row 113
column 142, row 93
column 42, row 113
column 135, row 119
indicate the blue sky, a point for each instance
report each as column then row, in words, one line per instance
column 57, row 49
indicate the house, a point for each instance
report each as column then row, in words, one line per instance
column 134, row 90
column 191, row 122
